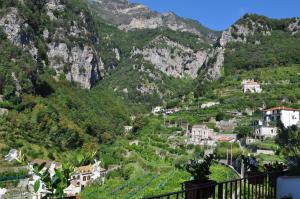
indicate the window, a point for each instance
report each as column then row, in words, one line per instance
column 89, row 177
column 84, row 178
column 78, row 177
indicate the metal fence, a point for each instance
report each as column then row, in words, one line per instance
column 260, row 186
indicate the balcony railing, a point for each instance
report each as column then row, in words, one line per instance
column 261, row 186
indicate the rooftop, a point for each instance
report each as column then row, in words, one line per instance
column 202, row 126
column 86, row 169
column 282, row 108
column 249, row 82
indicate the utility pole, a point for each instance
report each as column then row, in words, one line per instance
column 231, row 154
column 242, row 169
column 227, row 159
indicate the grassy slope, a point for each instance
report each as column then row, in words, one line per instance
column 148, row 169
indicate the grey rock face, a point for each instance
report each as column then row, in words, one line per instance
column 52, row 6
column 173, row 58
column 79, row 65
column 12, row 24
column 236, row 33
column 294, row 26
column 129, row 16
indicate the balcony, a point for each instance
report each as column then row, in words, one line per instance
column 261, row 186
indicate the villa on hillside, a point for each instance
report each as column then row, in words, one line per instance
column 262, row 132
column 81, row 177
column 200, row 135
column 287, row 116
column 251, row 86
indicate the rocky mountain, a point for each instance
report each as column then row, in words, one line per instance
column 251, row 29
column 53, row 40
column 88, row 41
column 130, row 16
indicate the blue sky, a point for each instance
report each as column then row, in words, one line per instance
column 220, row 14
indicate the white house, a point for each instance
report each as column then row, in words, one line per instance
column 251, row 86
column 157, row 109
column 199, row 135
column 81, row 177
column 128, row 129
column 287, row 116
column 265, row 132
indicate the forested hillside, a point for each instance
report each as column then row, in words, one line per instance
column 73, row 75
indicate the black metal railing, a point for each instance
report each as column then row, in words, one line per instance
column 259, row 186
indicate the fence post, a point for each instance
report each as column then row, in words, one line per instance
column 220, row 191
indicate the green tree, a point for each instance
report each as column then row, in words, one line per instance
column 289, row 141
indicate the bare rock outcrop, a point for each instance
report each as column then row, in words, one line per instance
column 80, row 65
column 173, row 58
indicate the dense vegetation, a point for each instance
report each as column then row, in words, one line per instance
column 280, row 49
column 55, row 119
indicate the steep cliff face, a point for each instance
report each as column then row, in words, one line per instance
column 77, row 64
column 78, row 61
column 173, row 58
column 13, row 24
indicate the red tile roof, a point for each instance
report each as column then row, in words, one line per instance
column 282, row 108
column 225, row 139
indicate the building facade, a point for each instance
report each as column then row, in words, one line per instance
column 251, row 86
column 199, row 135
column 263, row 132
column 287, row 116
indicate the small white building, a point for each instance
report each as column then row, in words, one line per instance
column 81, row 177
column 199, row 135
column 263, row 132
column 157, row 109
column 128, row 129
column 287, row 116
column 251, row 86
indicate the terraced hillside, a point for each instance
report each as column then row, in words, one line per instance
column 151, row 164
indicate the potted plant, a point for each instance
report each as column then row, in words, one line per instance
column 274, row 169
column 252, row 170
column 200, row 185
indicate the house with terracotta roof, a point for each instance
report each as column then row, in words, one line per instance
column 251, row 86
column 287, row 116
column 81, row 177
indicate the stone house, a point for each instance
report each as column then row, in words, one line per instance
column 263, row 132
column 251, row 86
column 199, row 135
